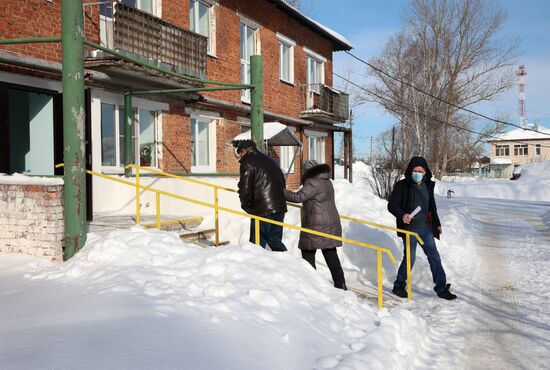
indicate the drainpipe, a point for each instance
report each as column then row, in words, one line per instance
column 72, row 26
column 257, row 102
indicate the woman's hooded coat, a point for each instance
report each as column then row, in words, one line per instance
column 319, row 213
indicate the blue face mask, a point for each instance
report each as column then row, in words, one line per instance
column 417, row 177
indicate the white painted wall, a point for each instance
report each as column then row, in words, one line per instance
column 113, row 198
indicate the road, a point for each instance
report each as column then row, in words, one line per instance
column 501, row 269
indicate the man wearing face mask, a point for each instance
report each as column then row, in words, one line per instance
column 417, row 190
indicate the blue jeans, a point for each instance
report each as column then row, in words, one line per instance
column 269, row 233
column 430, row 250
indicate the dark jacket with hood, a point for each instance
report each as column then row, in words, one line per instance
column 261, row 185
column 402, row 199
column 320, row 213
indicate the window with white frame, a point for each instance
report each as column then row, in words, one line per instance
column 502, row 150
column 315, row 71
column 286, row 156
column 200, row 20
column 148, row 6
column 537, row 149
column 146, row 123
column 286, row 58
column 248, row 48
column 203, row 143
column 521, row 150
column 316, row 145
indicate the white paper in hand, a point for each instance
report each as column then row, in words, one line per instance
column 415, row 212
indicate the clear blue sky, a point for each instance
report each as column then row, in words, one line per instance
column 369, row 23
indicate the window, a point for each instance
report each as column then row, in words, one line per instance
column 286, row 59
column 200, row 15
column 248, row 48
column 520, row 150
column 145, row 5
column 147, row 138
column 112, row 127
column 286, row 157
column 316, row 145
column 502, row 150
column 112, row 136
column 203, row 146
column 537, row 149
column 315, row 71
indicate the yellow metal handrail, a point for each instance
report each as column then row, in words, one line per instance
column 216, row 216
column 257, row 219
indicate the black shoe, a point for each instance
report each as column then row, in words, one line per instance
column 399, row 291
column 341, row 286
column 446, row 293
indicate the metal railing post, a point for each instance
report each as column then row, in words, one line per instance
column 257, row 230
column 216, row 217
column 408, row 253
column 128, row 142
column 158, row 208
column 138, row 201
column 379, row 270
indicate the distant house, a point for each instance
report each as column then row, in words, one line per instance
column 517, row 147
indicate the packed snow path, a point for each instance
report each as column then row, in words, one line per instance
column 500, row 272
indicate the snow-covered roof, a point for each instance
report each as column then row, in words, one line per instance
column 275, row 133
column 502, row 161
column 524, row 134
column 339, row 41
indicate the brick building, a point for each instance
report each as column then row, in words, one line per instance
column 183, row 133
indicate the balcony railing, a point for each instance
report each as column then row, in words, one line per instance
column 152, row 39
column 325, row 102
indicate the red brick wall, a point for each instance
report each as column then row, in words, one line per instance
column 279, row 97
column 41, row 18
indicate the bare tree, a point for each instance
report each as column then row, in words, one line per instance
column 448, row 49
column 387, row 167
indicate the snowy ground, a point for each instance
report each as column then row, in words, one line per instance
column 142, row 299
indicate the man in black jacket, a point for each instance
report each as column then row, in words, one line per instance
column 417, row 190
column 261, row 191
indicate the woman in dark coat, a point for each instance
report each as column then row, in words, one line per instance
column 320, row 214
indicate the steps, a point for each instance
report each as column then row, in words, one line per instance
column 104, row 224
column 203, row 238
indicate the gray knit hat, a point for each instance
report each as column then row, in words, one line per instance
column 307, row 164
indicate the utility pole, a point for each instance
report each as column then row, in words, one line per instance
column 350, row 146
column 72, row 28
column 370, row 158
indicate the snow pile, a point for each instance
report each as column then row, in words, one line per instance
column 532, row 185
column 144, row 299
column 20, row 179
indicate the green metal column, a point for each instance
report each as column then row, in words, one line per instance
column 257, row 101
column 128, row 142
column 72, row 27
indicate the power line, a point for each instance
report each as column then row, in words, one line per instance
column 440, row 99
column 425, row 115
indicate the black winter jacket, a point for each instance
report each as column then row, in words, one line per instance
column 261, row 185
column 402, row 197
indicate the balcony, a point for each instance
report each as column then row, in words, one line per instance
column 325, row 104
column 150, row 39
